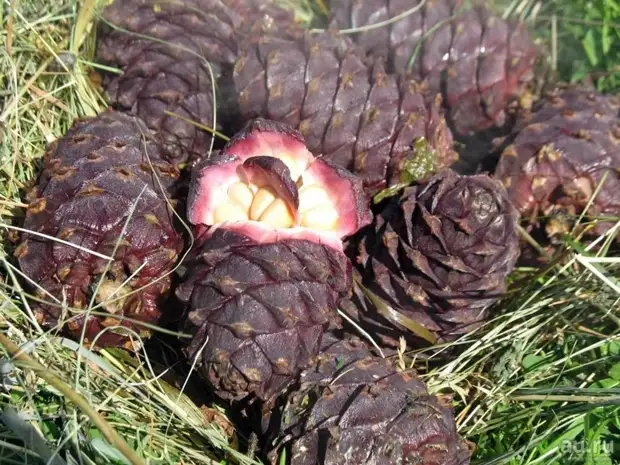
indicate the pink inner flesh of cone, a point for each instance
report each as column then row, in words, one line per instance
column 216, row 182
column 272, row 144
column 328, row 206
column 320, row 173
column 266, row 235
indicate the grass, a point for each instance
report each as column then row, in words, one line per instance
column 582, row 37
column 540, row 384
column 535, row 382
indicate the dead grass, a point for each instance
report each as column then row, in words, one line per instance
column 544, row 371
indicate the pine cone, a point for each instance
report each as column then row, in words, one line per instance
column 440, row 253
column 486, row 60
column 265, row 280
column 351, row 408
column 355, row 115
column 172, row 54
column 98, row 191
column 560, row 154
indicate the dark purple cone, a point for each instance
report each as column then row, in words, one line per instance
column 258, row 311
column 105, row 175
column 352, row 113
column 559, row 155
column 478, row 61
column 440, row 254
column 352, row 408
column 171, row 55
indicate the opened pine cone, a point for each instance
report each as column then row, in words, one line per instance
column 264, row 280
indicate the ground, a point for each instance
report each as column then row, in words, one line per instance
column 540, row 384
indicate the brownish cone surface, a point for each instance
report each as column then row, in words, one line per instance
column 352, row 113
column 352, row 408
column 440, row 253
column 478, row 61
column 258, row 311
column 264, row 281
column 101, row 190
column 172, row 54
column 561, row 153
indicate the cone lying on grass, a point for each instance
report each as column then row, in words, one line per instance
column 477, row 60
column 171, row 54
column 352, row 408
column 100, row 195
column 560, row 154
column 264, row 281
column 439, row 254
column 352, row 113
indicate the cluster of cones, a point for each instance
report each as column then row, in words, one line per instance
column 323, row 122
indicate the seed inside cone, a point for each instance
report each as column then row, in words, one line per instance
column 246, row 201
column 242, row 195
column 262, row 201
column 265, row 181
column 277, row 215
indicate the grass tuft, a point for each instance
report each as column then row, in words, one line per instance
column 533, row 382
column 540, row 384
column 581, row 37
